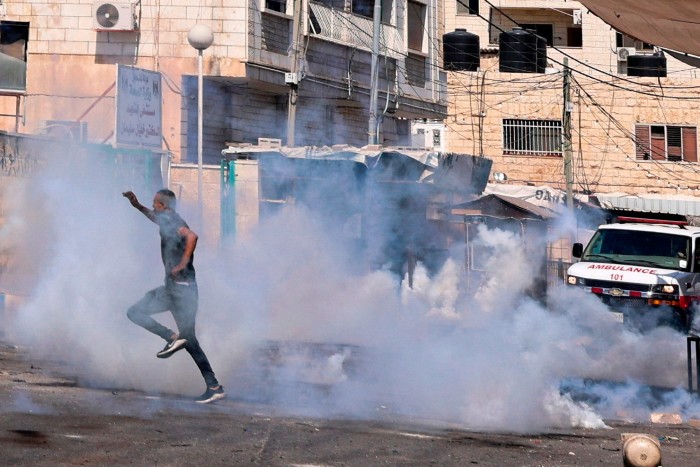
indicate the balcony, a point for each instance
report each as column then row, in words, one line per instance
column 350, row 29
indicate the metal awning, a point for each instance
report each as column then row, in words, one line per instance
column 501, row 206
column 450, row 171
column 555, row 199
column 662, row 204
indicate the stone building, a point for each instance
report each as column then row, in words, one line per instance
column 63, row 56
column 633, row 138
column 71, row 62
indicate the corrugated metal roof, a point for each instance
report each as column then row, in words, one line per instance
column 543, row 213
column 463, row 172
column 681, row 205
column 523, row 206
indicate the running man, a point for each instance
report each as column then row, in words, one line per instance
column 179, row 294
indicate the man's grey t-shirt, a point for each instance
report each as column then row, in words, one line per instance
column 172, row 245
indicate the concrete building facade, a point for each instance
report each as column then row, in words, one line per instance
column 71, row 61
column 249, row 69
column 629, row 134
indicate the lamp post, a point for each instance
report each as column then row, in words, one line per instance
column 200, row 37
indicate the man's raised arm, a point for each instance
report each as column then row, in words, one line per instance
column 135, row 203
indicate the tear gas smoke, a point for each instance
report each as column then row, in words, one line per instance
column 23, row 403
column 285, row 316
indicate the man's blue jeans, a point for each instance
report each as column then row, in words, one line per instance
column 182, row 301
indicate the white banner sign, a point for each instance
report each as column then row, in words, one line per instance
column 139, row 107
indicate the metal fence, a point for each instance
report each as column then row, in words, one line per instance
column 556, row 272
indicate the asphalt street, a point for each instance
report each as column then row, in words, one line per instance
column 49, row 418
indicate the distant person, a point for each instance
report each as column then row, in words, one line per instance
column 179, row 294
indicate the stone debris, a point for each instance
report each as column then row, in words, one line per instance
column 669, row 418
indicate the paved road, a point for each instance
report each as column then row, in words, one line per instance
column 48, row 418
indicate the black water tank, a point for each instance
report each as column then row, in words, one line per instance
column 460, row 50
column 647, row 65
column 518, row 51
column 541, row 54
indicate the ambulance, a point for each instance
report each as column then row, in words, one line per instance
column 647, row 274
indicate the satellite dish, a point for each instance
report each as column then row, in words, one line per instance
column 107, row 15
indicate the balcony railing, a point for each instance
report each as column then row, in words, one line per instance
column 348, row 28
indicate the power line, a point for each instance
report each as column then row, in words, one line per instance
column 617, row 77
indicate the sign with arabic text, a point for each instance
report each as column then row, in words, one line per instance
column 139, row 107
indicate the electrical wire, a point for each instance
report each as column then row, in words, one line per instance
column 537, row 83
column 632, row 137
column 587, row 65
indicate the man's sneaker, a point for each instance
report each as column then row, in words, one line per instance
column 211, row 395
column 171, row 347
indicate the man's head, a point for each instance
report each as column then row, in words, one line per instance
column 164, row 199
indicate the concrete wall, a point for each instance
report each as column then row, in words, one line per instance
column 247, row 196
column 599, row 39
column 243, row 115
column 606, row 107
column 603, row 149
column 184, row 182
column 72, row 70
column 71, row 66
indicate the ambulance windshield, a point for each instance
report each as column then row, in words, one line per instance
column 639, row 248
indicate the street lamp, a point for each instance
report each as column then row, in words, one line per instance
column 200, row 37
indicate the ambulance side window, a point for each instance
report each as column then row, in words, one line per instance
column 696, row 256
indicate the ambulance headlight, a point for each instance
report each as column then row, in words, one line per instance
column 665, row 288
column 572, row 280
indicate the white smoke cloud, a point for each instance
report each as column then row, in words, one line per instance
column 286, row 317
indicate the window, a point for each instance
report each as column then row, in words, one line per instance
column 542, row 30
column 366, row 8
column 14, row 36
column 416, row 70
column 623, row 40
column 532, row 137
column 467, row 7
column 416, row 19
column 276, row 5
column 630, row 247
column 666, row 143
column 574, row 37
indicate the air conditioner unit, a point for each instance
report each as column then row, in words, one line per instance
column 624, row 52
column 578, row 17
column 113, row 16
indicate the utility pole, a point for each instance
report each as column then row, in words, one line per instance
column 293, row 77
column 566, row 140
column 374, row 85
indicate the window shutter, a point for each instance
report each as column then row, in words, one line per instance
column 674, row 143
column 690, row 144
column 658, row 142
column 642, row 136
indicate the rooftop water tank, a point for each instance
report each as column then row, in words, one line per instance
column 647, row 65
column 541, row 54
column 460, row 50
column 522, row 51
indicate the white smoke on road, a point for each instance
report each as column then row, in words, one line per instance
column 286, row 318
